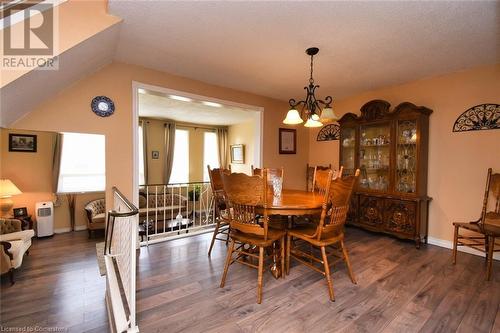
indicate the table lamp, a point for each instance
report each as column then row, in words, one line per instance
column 7, row 190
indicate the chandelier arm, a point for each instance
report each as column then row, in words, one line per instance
column 293, row 103
column 328, row 100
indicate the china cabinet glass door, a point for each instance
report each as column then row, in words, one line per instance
column 406, row 156
column 348, row 136
column 374, row 156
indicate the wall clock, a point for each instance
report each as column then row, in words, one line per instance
column 329, row 133
column 102, row 106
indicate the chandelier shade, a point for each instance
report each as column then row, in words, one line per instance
column 293, row 118
column 315, row 111
column 313, row 123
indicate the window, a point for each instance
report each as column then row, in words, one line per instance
column 83, row 165
column 210, row 153
column 142, row 181
column 180, row 168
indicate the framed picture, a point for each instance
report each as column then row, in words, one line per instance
column 155, row 154
column 238, row 154
column 22, row 143
column 20, row 212
column 287, row 141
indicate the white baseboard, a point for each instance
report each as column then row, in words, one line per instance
column 68, row 229
column 449, row 245
column 80, row 227
column 62, row 230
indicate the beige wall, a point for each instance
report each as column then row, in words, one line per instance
column 243, row 133
column 32, row 174
column 457, row 161
column 70, row 111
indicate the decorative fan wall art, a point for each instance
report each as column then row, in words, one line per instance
column 329, row 133
column 479, row 117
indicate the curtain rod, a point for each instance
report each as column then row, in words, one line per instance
column 185, row 124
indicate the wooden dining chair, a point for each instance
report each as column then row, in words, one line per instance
column 310, row 174
column 321, row 180
column 246, row 194
column 328, row 235
column 218, row 206
column 476, row 235
column 256, row 171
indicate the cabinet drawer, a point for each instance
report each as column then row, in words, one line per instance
column 371, row 211
column 400, row 216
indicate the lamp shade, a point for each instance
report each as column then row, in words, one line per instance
column 8, row 189
column 292, row 117
column 312, row 123
column 327, row 115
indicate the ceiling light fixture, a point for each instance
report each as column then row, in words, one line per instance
column 315, row 111
column 180, row 98
column 212, row 104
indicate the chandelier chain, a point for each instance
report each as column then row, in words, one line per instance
column 311, row 80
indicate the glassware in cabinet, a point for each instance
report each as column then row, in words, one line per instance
column 374, row 156
column 348, row 136
column 406, row 156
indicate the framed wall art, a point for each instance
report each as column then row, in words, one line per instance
column 238, row 154
column 22, row 143
column 287, row 141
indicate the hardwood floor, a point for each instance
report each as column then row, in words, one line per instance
column 178, row 291
column 59, row 285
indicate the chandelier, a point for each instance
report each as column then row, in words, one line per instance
column 314, row 111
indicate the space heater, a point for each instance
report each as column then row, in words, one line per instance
column 44, row 218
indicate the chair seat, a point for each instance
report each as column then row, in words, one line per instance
column 468, row 225
column 306, row 233
column 272, row 236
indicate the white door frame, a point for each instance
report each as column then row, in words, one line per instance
column 259, row 137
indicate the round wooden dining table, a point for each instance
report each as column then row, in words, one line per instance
column 294, row 203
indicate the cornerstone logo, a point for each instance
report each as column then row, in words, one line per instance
column 29, row 36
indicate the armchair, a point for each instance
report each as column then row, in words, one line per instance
column 96, row 215
column 14, row 243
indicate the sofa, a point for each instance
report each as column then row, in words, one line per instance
column 14, row 242
column 154, row 206
column 96, row 215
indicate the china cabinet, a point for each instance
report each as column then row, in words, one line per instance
column 390, row 148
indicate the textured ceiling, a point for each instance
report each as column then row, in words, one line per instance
column 259, row 46
column 157, row 106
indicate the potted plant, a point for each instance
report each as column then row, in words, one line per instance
column 195, row 193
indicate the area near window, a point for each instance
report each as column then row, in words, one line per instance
column 180, row 169
column 210, row 153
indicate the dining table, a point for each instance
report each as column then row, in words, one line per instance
column 290, row 203
column 294, row 203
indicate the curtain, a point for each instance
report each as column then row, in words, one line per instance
column 71, row 207
column 222, row 146
column 56, row 161
column 144, row 125
column 168, row 154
